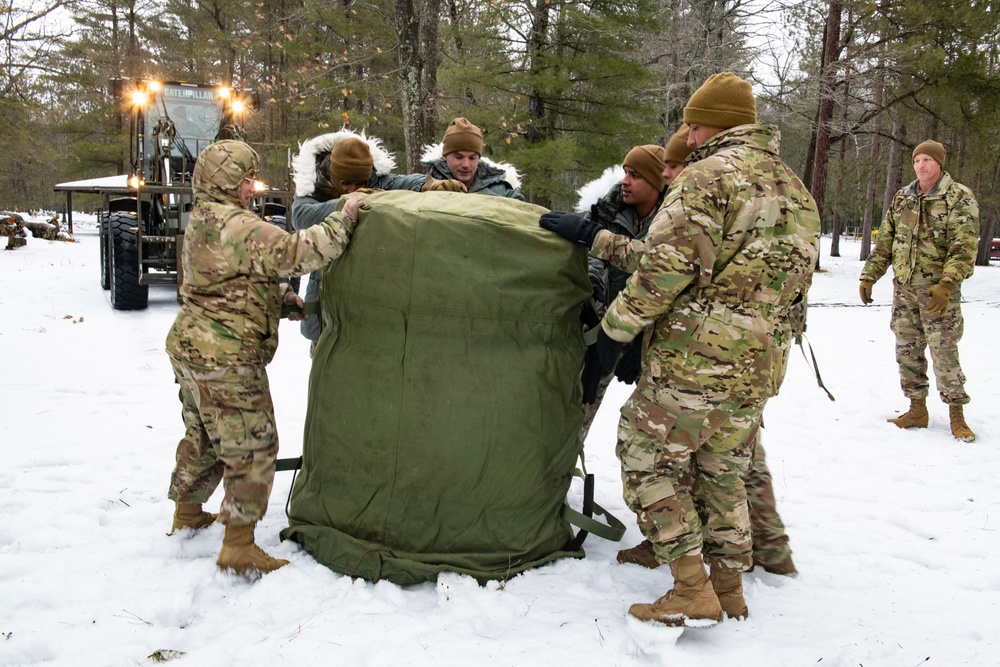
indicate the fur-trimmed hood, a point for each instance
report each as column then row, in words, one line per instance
column 597, row 188
column 432, row 153
column 312, row 151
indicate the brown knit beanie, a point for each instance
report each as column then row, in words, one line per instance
column 724, row 101
column 677, row 148
column 932, row 148
column 647, row 161
column 350, row 162
column 462, row 135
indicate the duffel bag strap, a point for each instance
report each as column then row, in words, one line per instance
column 613, row 530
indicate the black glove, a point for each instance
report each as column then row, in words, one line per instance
column 607, row 350
column 630, row 365
column 592, row 374
column 570, row 226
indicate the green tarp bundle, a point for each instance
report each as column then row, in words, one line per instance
column 444, row 411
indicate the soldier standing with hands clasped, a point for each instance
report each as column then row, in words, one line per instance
column 223, row 338
column 930, row 235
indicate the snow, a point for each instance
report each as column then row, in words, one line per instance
column 895, row 533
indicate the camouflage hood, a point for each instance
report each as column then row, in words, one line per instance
column 221, row 169
column 311, row 167
column 762, row 137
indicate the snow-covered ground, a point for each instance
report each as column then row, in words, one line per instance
column 896, row 534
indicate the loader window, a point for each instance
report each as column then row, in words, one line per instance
column 197, row 121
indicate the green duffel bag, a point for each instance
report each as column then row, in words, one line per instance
column 444, row 414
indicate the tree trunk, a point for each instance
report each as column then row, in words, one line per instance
column 417, row 27
column 537, row 129
column 824, row 117
column 866, row 229
column 894, row 174
column 874, row 155
column 988, row 219
column 837, row 203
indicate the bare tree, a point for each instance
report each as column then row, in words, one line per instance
column 824, row 113
column 417, row 26
column 28, row 32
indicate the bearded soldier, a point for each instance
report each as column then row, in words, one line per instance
column 224, row 336
column 930, row 235
column 731, row 250
column 626, row 209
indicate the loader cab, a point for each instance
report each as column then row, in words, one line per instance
column 172, row 122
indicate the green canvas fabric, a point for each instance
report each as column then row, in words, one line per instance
column 444, row 410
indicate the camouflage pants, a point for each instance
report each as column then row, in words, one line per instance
column 916, row 329
column 770, row 541
column 230, row 435
column 683, row 475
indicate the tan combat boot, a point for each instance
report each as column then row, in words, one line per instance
column 728, row 586
column 915, row 417
column 190, row 515
column 641, row 554
column 241, row 555
column 959, row 428
column 691, row 601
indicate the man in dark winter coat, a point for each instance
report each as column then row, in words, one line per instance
column 460, row 157
column 332, row 165
column 626, row 209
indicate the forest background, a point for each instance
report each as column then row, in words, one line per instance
column 561, row 88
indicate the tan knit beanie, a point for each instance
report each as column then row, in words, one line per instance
column 932, row 148
column 462, row 135
column 350, row 162
column 724, row 101
column 647, row 161
column 677, row 148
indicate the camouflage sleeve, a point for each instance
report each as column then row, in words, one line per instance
column 679, row 247
column 963, row 235
column 259, row 248
column 622, row 251
column 880, row 259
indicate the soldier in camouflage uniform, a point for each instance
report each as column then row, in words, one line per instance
column 223, row 338
column 732, row 248
column 930, row 235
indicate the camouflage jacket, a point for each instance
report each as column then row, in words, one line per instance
column 731, row 249
column 927, row 237
column 489, row 179
column 233, row 263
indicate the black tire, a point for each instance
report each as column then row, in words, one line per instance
column 126, row 292
column 105, row 262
